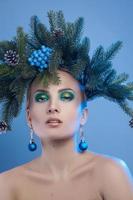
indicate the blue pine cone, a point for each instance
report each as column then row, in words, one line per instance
column 39, row 58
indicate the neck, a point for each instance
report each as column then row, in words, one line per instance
column 58, row 155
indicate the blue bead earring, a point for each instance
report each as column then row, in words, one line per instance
column 32, row 145
column 82, row 145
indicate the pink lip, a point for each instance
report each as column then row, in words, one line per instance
column 53, row 121
column 53, row 125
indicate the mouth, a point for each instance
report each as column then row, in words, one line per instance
column 53, row 122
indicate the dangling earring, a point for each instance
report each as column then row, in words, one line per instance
column 82, row 145
column 32, row 145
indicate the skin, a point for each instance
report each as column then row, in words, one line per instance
column 58, row 139
column 61, row 172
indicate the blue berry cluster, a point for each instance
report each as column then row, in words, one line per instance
column 39, row 58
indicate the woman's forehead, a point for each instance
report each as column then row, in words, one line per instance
column 67, row 81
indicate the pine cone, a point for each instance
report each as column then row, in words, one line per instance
column 3, row 126
column 58, row 33
column 11, row 57
column 131, row 123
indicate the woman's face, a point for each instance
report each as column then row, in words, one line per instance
column 61, row 101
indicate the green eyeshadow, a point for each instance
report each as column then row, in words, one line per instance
column 41, row 97
column 67, row 96
column 64, row 96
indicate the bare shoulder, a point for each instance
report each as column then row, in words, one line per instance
column 13, row 176
column 8, row 182
column 10, row 176
column 106, row 161
column 111, row 165
column 114, row 176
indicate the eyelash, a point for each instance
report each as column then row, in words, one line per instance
column 69, row 98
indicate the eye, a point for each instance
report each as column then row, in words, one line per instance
column 67, row 96
column 41, row 97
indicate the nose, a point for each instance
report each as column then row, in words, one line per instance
column 53, row 110
column 53, row 106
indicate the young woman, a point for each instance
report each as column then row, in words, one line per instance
column 66, row 168
column 56, row 114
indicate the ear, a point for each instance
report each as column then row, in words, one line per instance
column 28, row 118
column 84, row 116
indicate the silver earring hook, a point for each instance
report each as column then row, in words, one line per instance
column 32, row 145
column 82, row 133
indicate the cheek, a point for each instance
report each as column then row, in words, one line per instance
column 37, row 114
column 72, row 115
column 38, row 120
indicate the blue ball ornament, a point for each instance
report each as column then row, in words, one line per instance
column 30, row 59
column 83, row 145
column 39, row 59
column 32, row 146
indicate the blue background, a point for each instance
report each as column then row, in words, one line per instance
column 107, row 130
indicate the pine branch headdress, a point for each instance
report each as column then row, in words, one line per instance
column 42, row 51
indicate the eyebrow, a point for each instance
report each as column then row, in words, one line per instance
column 42, row 90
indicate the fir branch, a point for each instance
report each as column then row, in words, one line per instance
column 69, row 35
column 130, row 97
column 28, row 72
column 21, row 44
column 124, row 105
column 83, row 51
column 40, row 32
column 4, row 69
column 86, row 45
column 109, row 78
column 44, row 35
column 20, row 92
column 98, row 57
column 120, row 78
column 4, row 89
column 119, row 92
column 78, row 30
column 102, row 68
column 91, row 93
column 32, row 44
column 61, row 24
column 35, row 39
column 76, row 69
column 130, row 85
column 13, row 102
column 52, row 20
column 113, row 50
column 55, row 60
column 9, row 110
column 7, row 72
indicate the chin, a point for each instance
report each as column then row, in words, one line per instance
column 55, row 135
